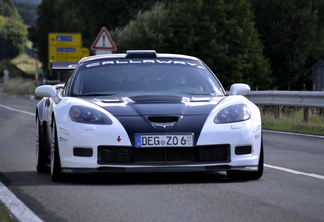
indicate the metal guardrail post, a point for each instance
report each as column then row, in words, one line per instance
column 276, row 112
column 306, row 114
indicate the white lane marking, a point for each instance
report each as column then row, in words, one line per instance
column 291, row 133
column 295, row 171
column 16, row 207
column 11, row 202
column 17, row 110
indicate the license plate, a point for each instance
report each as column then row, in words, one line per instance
column 178, row 140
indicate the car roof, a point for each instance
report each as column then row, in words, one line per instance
column 138, row 54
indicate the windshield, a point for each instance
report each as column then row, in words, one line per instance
column 160, row 76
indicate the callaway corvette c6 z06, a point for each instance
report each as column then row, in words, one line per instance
column 144, row 111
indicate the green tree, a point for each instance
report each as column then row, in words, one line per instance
column 13, row 34
column 53, row 16
column 7, row 9
column 111, row 14
column 147, row 31
column 221, row 33
column 86, row 17
column 292, row 33
column 27, row 11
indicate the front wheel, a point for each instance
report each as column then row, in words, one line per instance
column 41, row 166
column 56, row 174
column 243, row 175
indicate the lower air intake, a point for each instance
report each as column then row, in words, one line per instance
column 202, row 154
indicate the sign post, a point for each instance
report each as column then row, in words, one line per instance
column 103, row 43
column 5, row 76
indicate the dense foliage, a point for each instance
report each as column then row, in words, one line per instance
column 252, row 41
column 149, row 30
column 13, row 34
column 292, row 32
column 86, row 17
column 221, row 33
column 27, row 11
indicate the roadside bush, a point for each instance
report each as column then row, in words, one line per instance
column 20, row 86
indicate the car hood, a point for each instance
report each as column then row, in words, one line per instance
column 156, row 105
column 154, row 113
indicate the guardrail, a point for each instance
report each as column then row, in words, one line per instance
column 306, row 99
column 288, row 98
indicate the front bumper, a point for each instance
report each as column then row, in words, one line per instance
column 151, row 169
column 229, row 139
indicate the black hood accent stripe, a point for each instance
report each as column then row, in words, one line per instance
column 137, row 113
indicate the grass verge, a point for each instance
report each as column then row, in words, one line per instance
column 5, row 216
column 26, row 63
column 291, row 120
column 19, row 86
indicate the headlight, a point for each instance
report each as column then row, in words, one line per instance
column 234, row 113
column 82, row 114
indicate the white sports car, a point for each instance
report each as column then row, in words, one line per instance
column 144, row 111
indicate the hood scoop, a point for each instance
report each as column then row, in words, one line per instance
column 157, row 99
column 201, row 99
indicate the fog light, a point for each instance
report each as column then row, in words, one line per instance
column 242, row 150
column 84, row 152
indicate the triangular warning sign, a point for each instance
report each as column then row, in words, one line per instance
column 103, row 41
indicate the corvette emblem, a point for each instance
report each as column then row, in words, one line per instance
column 164, row 125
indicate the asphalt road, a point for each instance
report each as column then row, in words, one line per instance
column 291, row 189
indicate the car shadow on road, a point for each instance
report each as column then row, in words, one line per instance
column 148, row 178
column 32, row 178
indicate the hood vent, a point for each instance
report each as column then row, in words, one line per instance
column 156, row 99
column 164, row 122
column 112, row 100
column 165, row 119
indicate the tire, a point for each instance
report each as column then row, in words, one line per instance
column 41, row 163
column 56, row 174
column 243, row 175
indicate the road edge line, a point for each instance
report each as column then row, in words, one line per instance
column 17, row 110
column 292, row 133
column 16, row 207
column 295, row 171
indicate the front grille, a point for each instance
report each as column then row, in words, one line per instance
column 130, row 155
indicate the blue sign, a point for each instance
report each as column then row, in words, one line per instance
column 64, row 38
column 65, row 49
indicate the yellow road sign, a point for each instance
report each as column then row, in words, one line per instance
column 64, row 47
column 64, row 39
column 85, row 52
column 64, row 54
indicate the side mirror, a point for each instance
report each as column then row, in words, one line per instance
column 239, row 89
column 46, row 91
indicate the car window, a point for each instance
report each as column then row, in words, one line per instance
column 144, row 76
